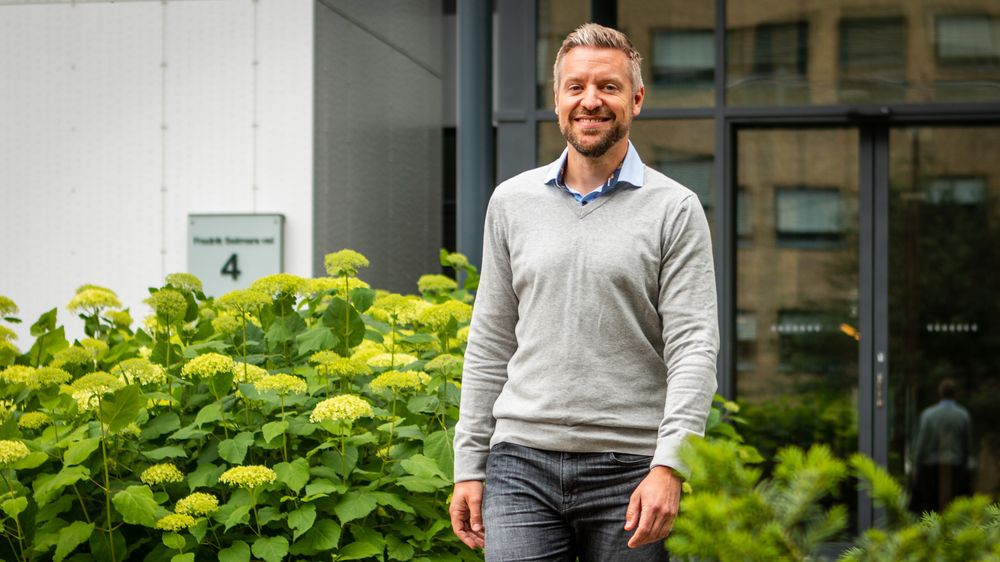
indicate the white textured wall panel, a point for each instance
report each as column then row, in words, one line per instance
column 83, row 157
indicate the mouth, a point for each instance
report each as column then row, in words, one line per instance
column 591, row 121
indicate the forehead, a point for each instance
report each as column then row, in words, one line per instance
column 585, row 61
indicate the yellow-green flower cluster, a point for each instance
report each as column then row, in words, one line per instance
column 17, row 374
column 6, row 334
column 247, row 373
column 198, row 503
column 344, row 407
column 278, row 284
column 457, row 260
column 92, row 297
column 367, row 350
column 74, row 355
column 226, row 323
column 244, row 301
column 49, row 376
column 7, row 306
column 330, row 363
column 141, row 370
column 384, row 360
column 208, row 365
column 397, row 381
column 344, row 262
column 436, row 283
column 312, row 287
column 120, row 318
column 281, row 383
column 97, row 348
column 185, row 281
column 12, row 451
column 130, row 430
column 437, row 316
column 4, row 344
column 163, row 473
column 250, row 476
column 170, row 305
column 86, row 389
column 391, row 307
column 7, row 407
column 175, row 522
column 33, row 420
column 445, row 362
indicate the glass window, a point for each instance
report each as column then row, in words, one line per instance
column 808, row 216
column 963, row 40
column 769, row 64
column 683, row 59
column 744, row 216
column 746, row 340
column 872, row 59
column 956, row 190
column 691, row 169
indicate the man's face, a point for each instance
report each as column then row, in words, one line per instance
column 594, row 99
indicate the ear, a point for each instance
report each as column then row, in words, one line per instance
column 637, row 101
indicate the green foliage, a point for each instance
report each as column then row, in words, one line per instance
column 133, row 430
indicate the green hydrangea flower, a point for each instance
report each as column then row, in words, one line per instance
column 282, row 384
column 278, row 284
column 344, row 262
column 12, row 451
column 120, row 318
column 249, row 477
column 6, row 334
column 17, row 374
column 87, row 389
column 185, row 281
column 140, row 370
column 49, row 376
column 92, row 297
column 247, row 373
column 347, row 407
column 7, row 306
column 384, row 360
column 312, row 287
column 457, row 260
column 97, row 348
column 169, row 305
column 244, row 301
column 330, row 363
column 208, row 365
column 33, row 420
column 162, row 473
column 445, row 362
column 197, row 504
column 175, row 522
column 391, row 307
column 437, row 317
column 74, row 355
column 398, row 381
column 436, row 283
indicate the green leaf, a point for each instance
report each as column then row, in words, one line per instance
column 438, row 446
column 236, row 515
column 301, row 520
column 419, row 339
column 345, row 322
column 205, row 476
column 45, row 323
column 48, row 345
column 137, row 506
column 323, row 536
column 423, row 466
column 70, row 537
column 174, row 541
column 220, row 383
column 189, row 432
column 238, row 551
column 79, row 451
column 293, row 474
column 163, row 423
column 209, row 414
column 121, row 408
column 316, row 339
column 48, row 486
column 271, row 549
column 393, row 501
column 274, row 429
column 14, row 507
column 33, row 460
column 398, row 550
column 362, row 298
column 187, row 557
column 165, row 453
column 354, row 505
column 422, row 485
column 234, row 450
column 359, row 550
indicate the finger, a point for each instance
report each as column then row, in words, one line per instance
column 644, row 529
column 476, row 513
column 632, row 513
column 460, row 525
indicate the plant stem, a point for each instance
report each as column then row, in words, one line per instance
column 41, row 340
column 107, row 478
column 170, row 382
column 83, row 506
column 284, row 434
column 17, row 521
column 343, row 453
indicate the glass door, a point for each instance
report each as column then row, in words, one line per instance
column 943, row 424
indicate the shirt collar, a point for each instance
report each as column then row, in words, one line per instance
column 632, row 170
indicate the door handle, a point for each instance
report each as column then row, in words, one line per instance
column 879, row 379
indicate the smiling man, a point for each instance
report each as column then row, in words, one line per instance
column 591, row 355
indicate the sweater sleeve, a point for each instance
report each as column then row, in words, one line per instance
column 687, row 309
column 490, row 346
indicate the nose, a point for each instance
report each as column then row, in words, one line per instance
column 591, row 100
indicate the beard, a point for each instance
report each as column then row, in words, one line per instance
column 605, row 140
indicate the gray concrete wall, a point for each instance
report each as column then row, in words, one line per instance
column 378, row 104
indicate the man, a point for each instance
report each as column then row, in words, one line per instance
column 591, row 354
column 944, row 466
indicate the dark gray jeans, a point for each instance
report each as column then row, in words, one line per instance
column 545, row 505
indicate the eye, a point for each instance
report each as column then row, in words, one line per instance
column 573, row 87
column 611, row 87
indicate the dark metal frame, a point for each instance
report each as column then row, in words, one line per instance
column 517, row 117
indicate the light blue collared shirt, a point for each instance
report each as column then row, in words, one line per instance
column 630, row 172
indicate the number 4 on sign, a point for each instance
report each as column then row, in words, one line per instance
column 231, row 267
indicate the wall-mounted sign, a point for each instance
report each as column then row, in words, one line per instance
column 232, row 251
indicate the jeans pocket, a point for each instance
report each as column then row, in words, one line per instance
column 629, row 459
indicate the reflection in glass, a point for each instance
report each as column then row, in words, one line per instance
column 796, row 284
column 944, row 353
column 682, row 149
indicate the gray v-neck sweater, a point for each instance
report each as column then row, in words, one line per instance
column 594, row 327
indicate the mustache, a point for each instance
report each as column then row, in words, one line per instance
column 603, row 113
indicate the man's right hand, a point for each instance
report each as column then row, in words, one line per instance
column 467, row 513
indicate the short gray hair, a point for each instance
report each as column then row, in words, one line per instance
column 600, row 37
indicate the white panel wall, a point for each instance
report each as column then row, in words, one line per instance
column 93, row 191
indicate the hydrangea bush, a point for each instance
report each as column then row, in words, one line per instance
column 297, row 419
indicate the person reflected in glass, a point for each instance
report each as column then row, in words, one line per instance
column 943, row 456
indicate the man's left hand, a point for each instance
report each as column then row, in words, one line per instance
column 653, row 507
